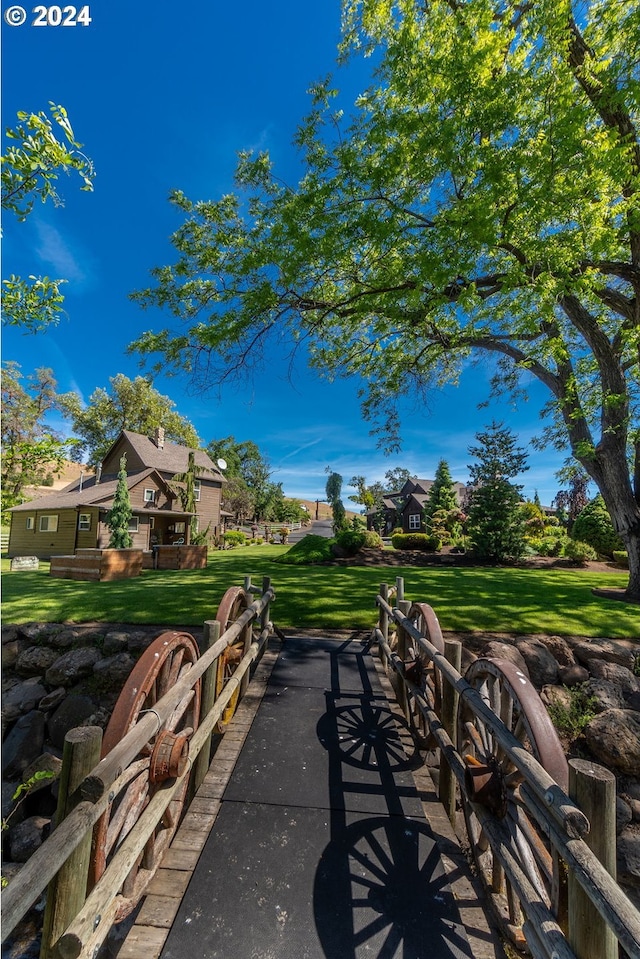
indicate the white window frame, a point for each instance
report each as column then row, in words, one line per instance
column 149, row 495
column 415, row 522
column 84, row 522
column 197, row 490
column 45, row 526
column 31, row 522
column 152, row 522
column 134, row 524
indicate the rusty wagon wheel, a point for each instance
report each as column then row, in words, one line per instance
column 232, row 605
column 419, row 669
column 493, row 782
column 165, row 661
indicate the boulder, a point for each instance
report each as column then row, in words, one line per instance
column 556, row 696
column 608, row 650
column 607, row 695
column 46, row 763
column 35, row 661
column 509, row 652
column 116, row 641
column 11, row 650
column 560, row 650
column 541, row 665
column 52, row 700
column 27, row 836
column 113, row 671
column 624, row 814
column 629, row 855
column 614, row 739
column 24, row 696
column 72, row 666
column 573, row 675
column 23, row 744
column 64, row 638
column 613, row 673
column 74, row 711
column 36, row 632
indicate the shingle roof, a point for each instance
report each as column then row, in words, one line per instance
column 91, row 494
column 171, row 458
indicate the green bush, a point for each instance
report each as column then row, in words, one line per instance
column 573, row 718
column 579, row 552
column 351, row 541
column 621, row 558
column 421, row 541
column 372, row 540
column 593, row 526
column 308, row 551
column 235, row 537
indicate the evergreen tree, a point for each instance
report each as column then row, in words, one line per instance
column 442, row 495
column 119, row 516
column 496, row 523
column 334, row 491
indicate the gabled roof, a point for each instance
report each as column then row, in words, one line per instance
column 91, row 493
column 170, row 458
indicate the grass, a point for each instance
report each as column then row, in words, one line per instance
column 469, row 599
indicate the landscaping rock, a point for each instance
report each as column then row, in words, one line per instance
column 36, row 632
column 74, row 711
column 35, row 661
column 607, row 695
column 629, row 855
column 573, row 675
column 11, row 650
column 608, row 650
column 9, row 633
column 542, row 667
column 509, row 652
column 64, row 639
column 624, row 814
column 116, row 641
column 28, row 836
column 114, row 671
column 560, row 650
column 46, row 763
column 25, row 696
column 52, row 700
column 23, row 744
column 613, row 673
column 72, row 666
column 614, row 739
column 556, row 696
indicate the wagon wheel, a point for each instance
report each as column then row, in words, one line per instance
column 232, row 605
column 419, row 670
column 165, row 661
column 493, row 781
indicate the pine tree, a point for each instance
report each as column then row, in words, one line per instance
column 442, row 494
column 496, row 523
column 119, row 516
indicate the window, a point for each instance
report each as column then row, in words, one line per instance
column 152, row 522
column 414, row 521
column 84, row 521
column 179, row 527
column 197, row 486
column 30, row 522
column 48, row 524
column 149, row 496
column 133, row 524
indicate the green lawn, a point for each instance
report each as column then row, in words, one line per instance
column 465, row 599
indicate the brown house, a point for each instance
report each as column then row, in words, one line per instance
column 405, row 508
column 75, row 517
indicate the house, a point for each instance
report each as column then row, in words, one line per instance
column 405, row 508
column 75, row 517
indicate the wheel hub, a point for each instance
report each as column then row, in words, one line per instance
column 170, row 757
column 485, row 785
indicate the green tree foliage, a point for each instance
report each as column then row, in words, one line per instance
column 334, row 499
column 126, row 405
column 572, row 501
column 246, row 461
column 40, row 149
column 593, row 526
column 119, row 516
column 31, row 450
column 482, row 201
column 396, row 478
column 238, row 499
column 495, row 521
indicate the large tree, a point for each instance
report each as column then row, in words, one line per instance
column 39, row 149
column 482, row 202
column 127, row 405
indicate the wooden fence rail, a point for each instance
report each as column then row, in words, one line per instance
column 86, row 930
column 559, row 818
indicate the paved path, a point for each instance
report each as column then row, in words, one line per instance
column 320, row 848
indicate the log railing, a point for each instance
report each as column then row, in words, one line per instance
column 593, row 892
column 79, row 934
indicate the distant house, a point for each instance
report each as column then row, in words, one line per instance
column 404, row 509
column 75, row 517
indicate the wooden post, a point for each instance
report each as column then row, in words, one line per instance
column 266, row 612
column 450, row 697
column 593, row 789
column 383, row 622
column 67, row 892
column 247, row 584
column 399, row 590
column 210, row 635
column 404, row 606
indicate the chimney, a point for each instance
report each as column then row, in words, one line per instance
column 98, row 473
column 159, row 437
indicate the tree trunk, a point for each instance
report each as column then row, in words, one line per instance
column 611, row 473
column 632, row 542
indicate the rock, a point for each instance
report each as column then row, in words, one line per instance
column 509, row 652
column 556, row 696
column 607, row 695
column 26, row 695
column 35, row 632
column 614, row 739
column 629, row 855
column 114, row 670
column 74, row 711
column 139, row 641
column 52, row 700
column 72, row 666
column 64, row 639
column 35, row 661
column 9, row 633
column 467, row 658
column 542, row 667
column 623, row 814
column 619, row 652
column 613, row 673
column 27, row 836
column 573, row 675
column 560, row 650
column 116, row 641
column 633, row 700
column 46, row 763
column 23, row 744
column 11, row 650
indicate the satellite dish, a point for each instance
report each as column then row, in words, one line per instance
column 222, row 463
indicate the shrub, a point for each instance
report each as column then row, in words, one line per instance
column 352, row 540
column 234, row 537
column 396, row 530
column 421, row 541
column 579, row 552
column 372, row 540
column 573, row 718
column 621, row 558
column 311, row 549
column 593, row 526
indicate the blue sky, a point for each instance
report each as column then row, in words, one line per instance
column 163, row 97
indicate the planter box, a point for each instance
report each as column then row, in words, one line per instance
column 98, row 564
column 180, row 557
